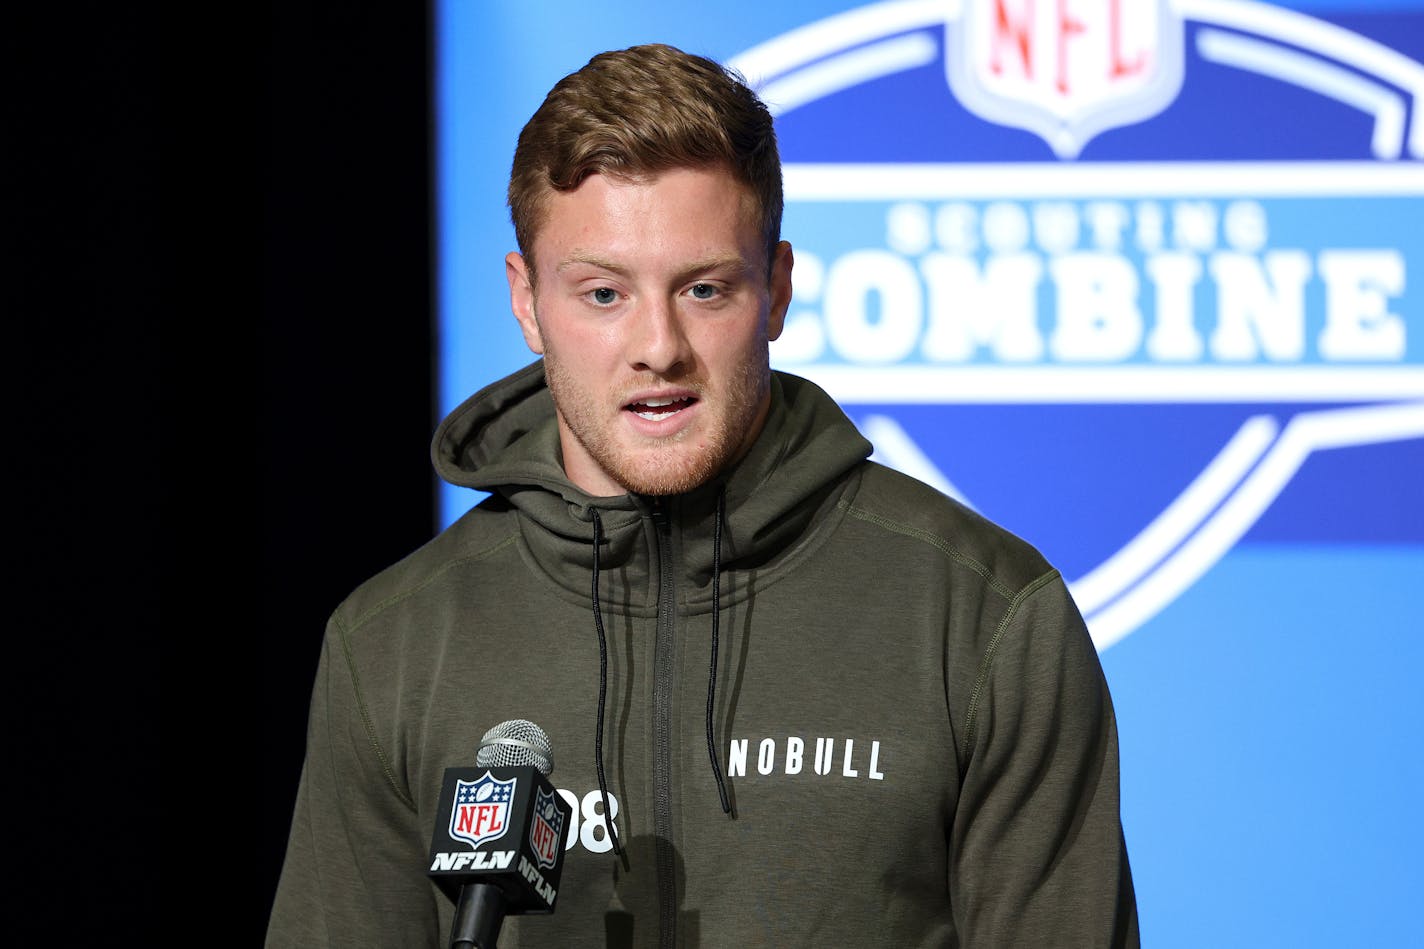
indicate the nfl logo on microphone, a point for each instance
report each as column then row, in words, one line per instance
column 546, row 831
column 481, row 810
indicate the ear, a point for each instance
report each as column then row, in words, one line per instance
column 780, row 290
column 521, row 300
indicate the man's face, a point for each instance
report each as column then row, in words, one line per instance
column 653, row 311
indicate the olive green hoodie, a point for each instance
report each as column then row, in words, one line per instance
column 912, row 734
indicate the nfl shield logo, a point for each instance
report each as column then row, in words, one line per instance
column 481, row 810
column 546, row 831
column 1065, row 71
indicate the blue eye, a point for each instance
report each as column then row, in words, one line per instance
column 703, row 291
column 603, row 296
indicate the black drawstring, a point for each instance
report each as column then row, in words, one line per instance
column 602, row 685
column 712, row 670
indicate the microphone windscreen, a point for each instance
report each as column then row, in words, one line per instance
column 516, row 743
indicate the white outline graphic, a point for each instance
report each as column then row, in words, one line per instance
column 967, row 385
column 1307, row 72
column 894, row 448
column 1262, row 179
column 852, row 69
column 1204, row 521
column 1181, row 517
column 784, row 54
column 1326, row 39
column 1306, row 433
column 777, row 60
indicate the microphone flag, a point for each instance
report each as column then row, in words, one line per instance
column 502, row 826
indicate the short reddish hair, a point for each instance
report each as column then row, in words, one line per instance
column 634, row 113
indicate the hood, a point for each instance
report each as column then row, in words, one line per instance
column 505, row 440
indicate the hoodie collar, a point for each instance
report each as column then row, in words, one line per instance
column 504, row 439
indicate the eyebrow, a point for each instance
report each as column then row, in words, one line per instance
column 718, row 262
column 592, row 260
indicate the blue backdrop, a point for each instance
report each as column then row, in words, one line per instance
column 1134, row 280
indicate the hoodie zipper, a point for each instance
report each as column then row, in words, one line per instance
column 664, row 668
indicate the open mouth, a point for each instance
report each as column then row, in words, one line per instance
column 655, row 410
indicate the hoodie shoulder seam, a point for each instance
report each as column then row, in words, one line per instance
column 939, row 543
column 366, row 717
column 370, row 612
column 991, row 650
column 344, row 632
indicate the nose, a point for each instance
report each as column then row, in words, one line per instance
column 659, row 342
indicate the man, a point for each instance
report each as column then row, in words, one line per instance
column 821, row 703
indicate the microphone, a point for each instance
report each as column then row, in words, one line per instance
column 498, row 844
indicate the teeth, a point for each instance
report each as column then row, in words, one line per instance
column 655, row 410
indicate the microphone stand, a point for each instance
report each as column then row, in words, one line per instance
column 478, row 916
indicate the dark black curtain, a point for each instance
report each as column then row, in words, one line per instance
column 346, row 404
column 218, row 301
column 82, row 295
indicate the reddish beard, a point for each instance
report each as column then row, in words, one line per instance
column 677, row 463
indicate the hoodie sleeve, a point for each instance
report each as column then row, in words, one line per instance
column 1037, row 854
column 354, row 869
